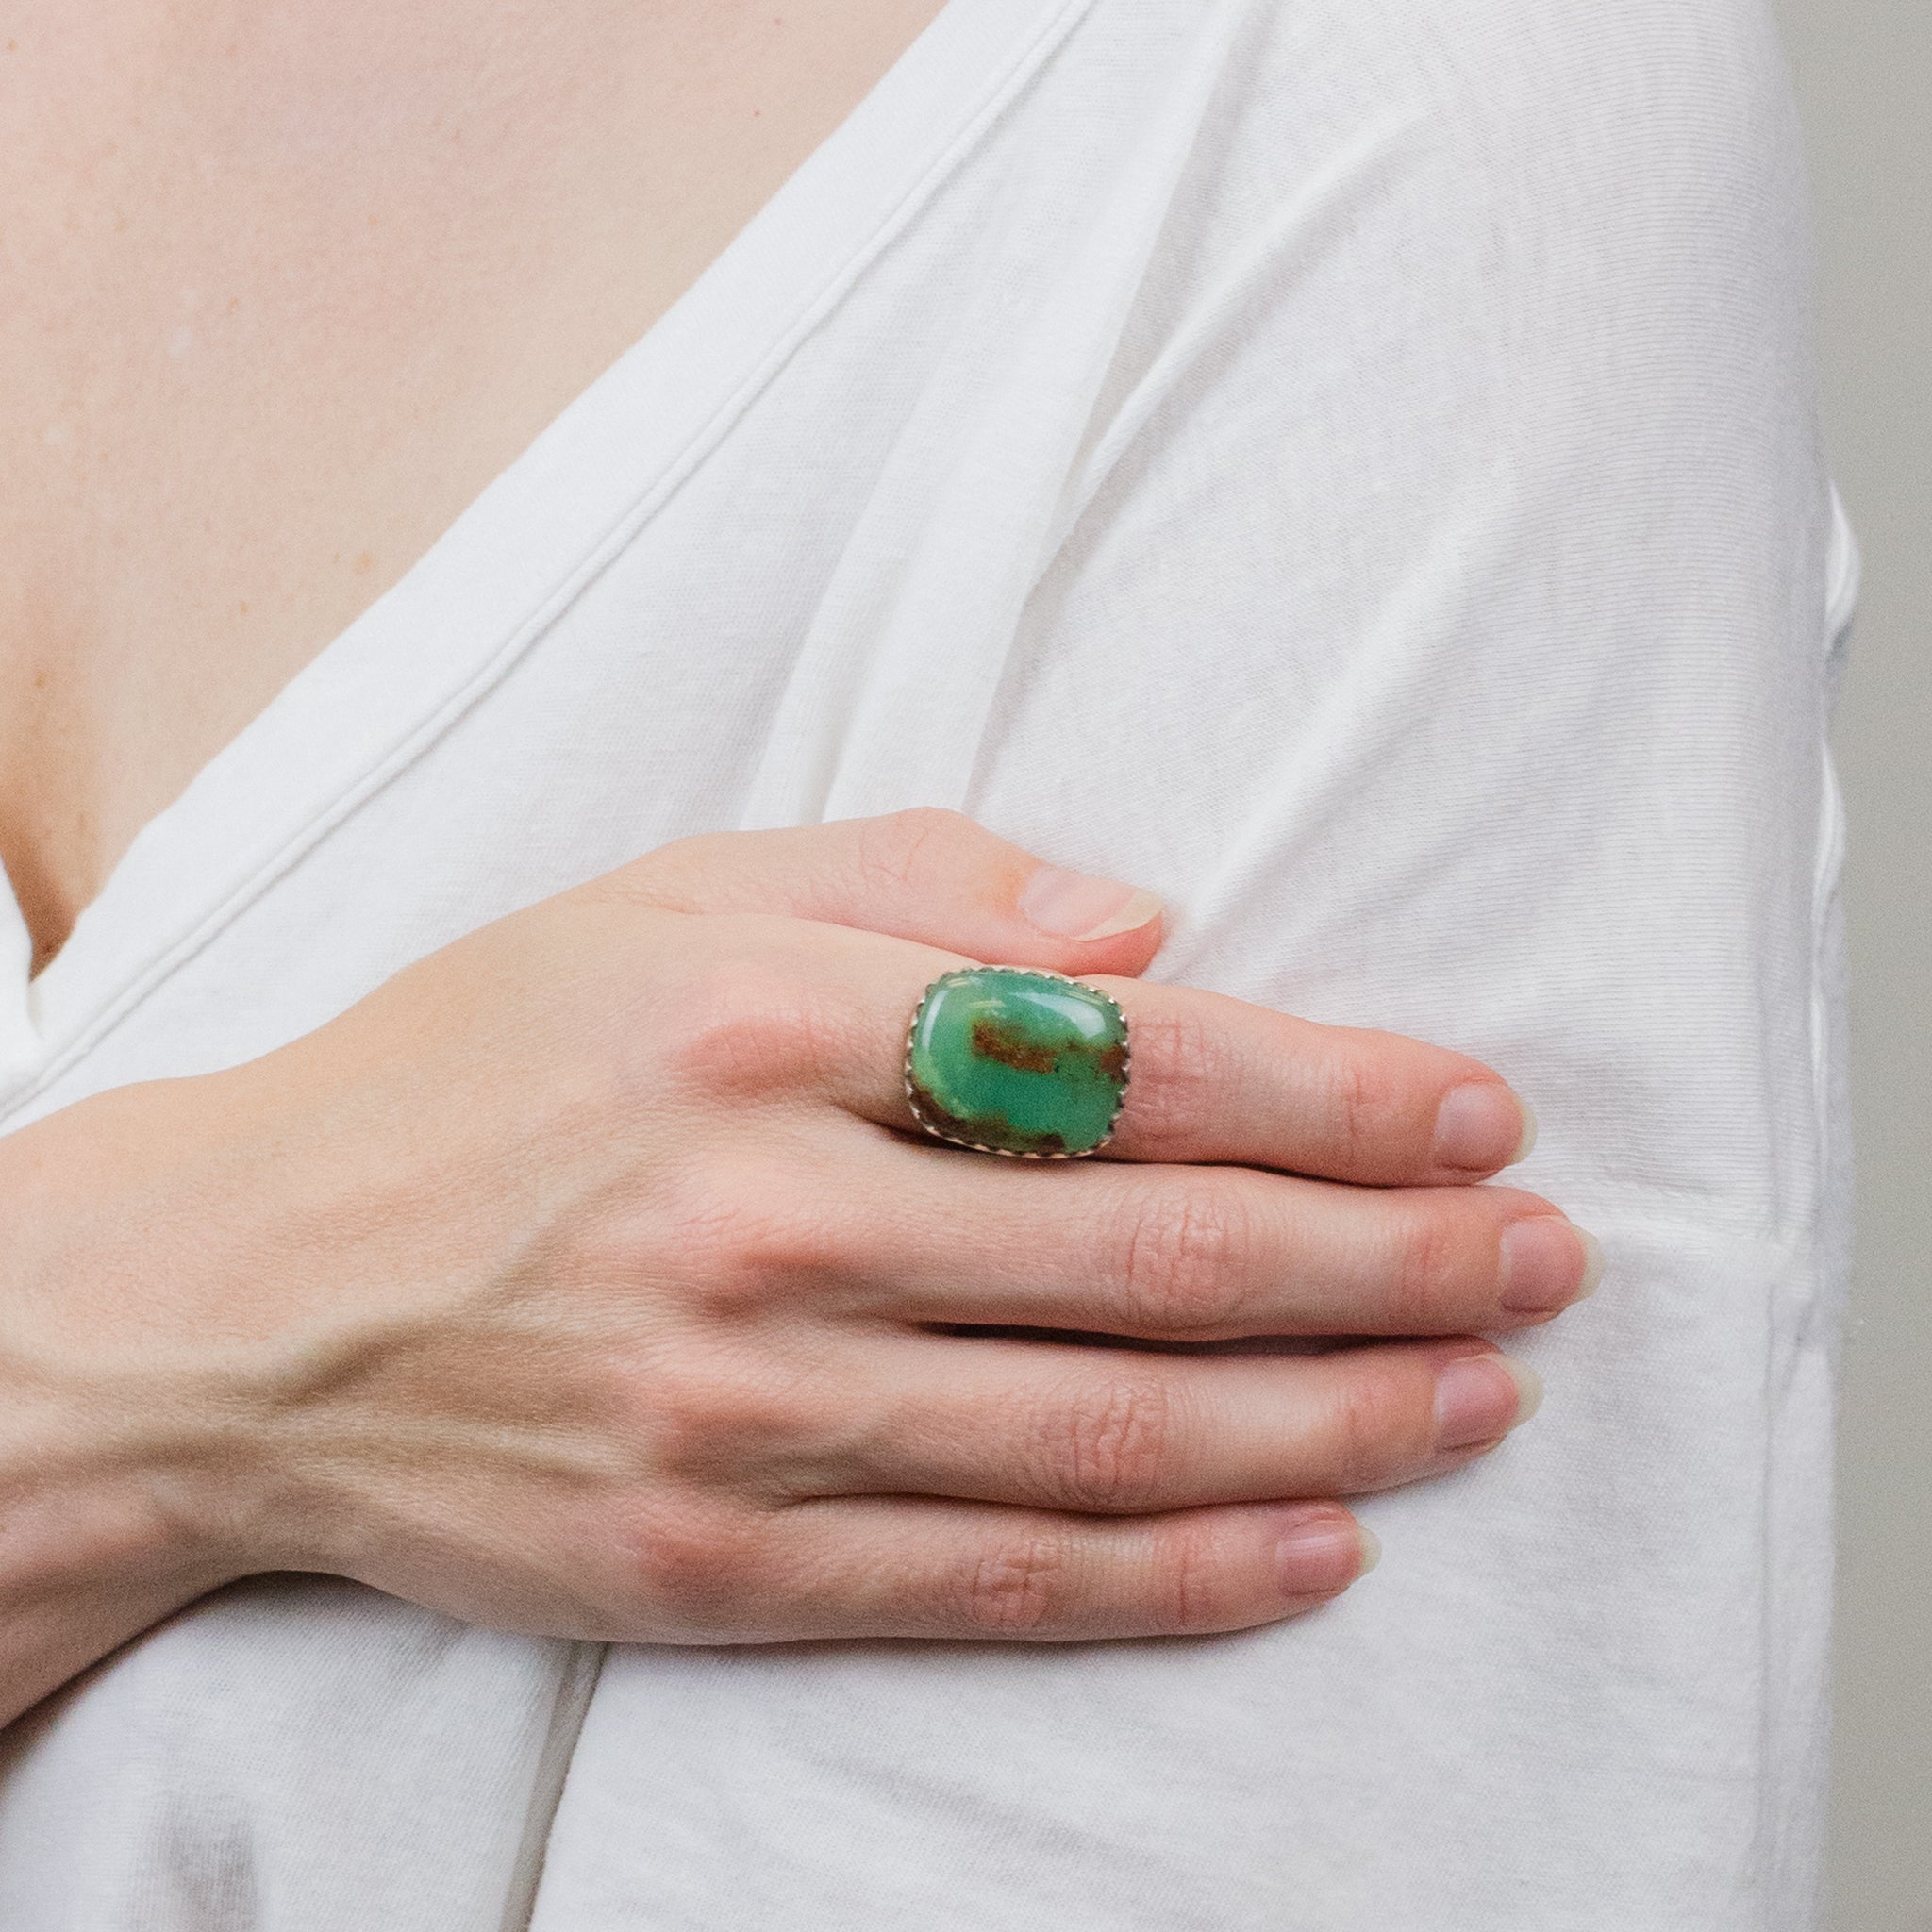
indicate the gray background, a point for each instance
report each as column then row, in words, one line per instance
column 1864, row 75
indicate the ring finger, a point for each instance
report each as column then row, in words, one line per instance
column 1121, row 1432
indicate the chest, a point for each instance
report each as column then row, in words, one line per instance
column 287, row 289
column 781, row 561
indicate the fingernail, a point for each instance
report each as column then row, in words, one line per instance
column 1592, row 1265
column 1547, row 1263
column 1072, row 906
column 1482, row 1396
column 1480, row 1126
column 1321, row 1555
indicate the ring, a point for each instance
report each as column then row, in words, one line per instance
column 1009, row 1060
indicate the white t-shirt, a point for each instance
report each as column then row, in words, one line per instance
column 1349, row 465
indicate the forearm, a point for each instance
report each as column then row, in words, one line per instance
column 69, row 1596
column 114, row 1505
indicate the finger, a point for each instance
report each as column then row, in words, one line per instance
column 1192, row 1254
column 930, row 876
column 1128, row 1432
column 1210, row 1079
column 1216, row 1078
column 900, row 1567
column 1219, row 1079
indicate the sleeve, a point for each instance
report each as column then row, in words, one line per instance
column 1442, row 621
column 1366, row 487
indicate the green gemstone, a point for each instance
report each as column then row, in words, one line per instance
column 1020, row 1063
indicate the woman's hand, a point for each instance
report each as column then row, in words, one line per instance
column 587, row 1279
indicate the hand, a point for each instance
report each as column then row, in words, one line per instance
column 587, row 1279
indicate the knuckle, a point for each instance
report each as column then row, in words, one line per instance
column 1374, row 1429
column 898, row 852
column 1018, row 1586
column 703, row 1415
column 741, row 1027
column 740, row 1424
column 695, row 1567
column 1181, row 1065
column 1192, row 1581
column 1355, row 1107
column 748, row 1237
column 1183, row 1258
column 1112, row 1446
column 1427, row 1268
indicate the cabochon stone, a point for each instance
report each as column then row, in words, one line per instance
column 1017, row 1062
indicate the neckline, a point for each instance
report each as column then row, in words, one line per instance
column 519, row 555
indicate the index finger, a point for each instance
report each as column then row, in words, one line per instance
column 1209, row 1078
column 1215, row 1079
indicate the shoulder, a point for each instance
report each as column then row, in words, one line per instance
column 1695, row 58
column 1554, row 176
column 1556, row 102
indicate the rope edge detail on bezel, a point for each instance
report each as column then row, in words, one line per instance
column 938, row 1133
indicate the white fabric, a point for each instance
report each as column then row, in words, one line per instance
column 1349, row 465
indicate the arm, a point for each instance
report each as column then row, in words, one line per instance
column 514, row 1292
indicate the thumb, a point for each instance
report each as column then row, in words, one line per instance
column 930, row 876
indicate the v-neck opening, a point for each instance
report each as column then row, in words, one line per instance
column 403, row 672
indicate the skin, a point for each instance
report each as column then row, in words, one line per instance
column 588, row 1278
column 287, row 285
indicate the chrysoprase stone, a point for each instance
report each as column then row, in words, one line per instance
column 1020, row 1063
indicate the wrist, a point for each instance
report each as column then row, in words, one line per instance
column 129, row 1470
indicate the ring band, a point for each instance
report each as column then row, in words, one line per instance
column 1009, row 1059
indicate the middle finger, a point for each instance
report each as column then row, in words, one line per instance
column 1174, row 1253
